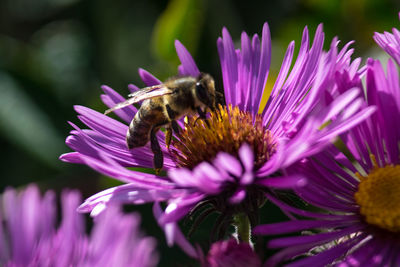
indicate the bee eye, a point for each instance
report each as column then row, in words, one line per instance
column 201, row 93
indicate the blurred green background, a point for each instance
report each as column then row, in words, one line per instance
column 56, row 53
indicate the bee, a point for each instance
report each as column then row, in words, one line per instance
column 162, row 105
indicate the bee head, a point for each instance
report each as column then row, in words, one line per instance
column 205, row 90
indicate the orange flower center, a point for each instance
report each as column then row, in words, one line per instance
column 226, row 130
column 379, row 197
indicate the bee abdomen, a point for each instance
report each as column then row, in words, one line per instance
column 138, row 132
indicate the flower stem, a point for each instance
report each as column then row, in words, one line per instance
column 243, row 228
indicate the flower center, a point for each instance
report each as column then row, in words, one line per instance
column 379, row 197
column 226, row 130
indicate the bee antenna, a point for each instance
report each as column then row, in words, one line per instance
column 220, row 97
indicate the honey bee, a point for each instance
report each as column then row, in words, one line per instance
column 162, row 105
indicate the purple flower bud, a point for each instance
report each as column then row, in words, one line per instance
column 229, row 253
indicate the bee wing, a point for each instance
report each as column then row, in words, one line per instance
column 142, row 94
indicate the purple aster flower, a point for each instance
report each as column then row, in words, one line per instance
column 227, row 163
column 357, row 192
column 29, row 236
column 390, row 42
column 230, row 253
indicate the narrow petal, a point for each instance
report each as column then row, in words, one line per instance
column 188, row 65
column 284, row 182
column 246, row 156
column 237, row 197
column 245, row 70
column 299, row 225
column 101, row 123
column 228, row 163
column 263, row 70
column 320, row 238
column 173, row 234
column 128, row 194
column 179, row 208
column 114, row 98
column 327, row 256
column 229, row 68
column 148, row 78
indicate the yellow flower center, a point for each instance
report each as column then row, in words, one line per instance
column 379, row 197
column 226, row 130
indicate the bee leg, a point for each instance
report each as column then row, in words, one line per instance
column 158, row 160
column 168, row 136
column 171, row 113
column 202, row 115
column 216, row 111
column 220, row 97
column 172, row 116
column 175, row 127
